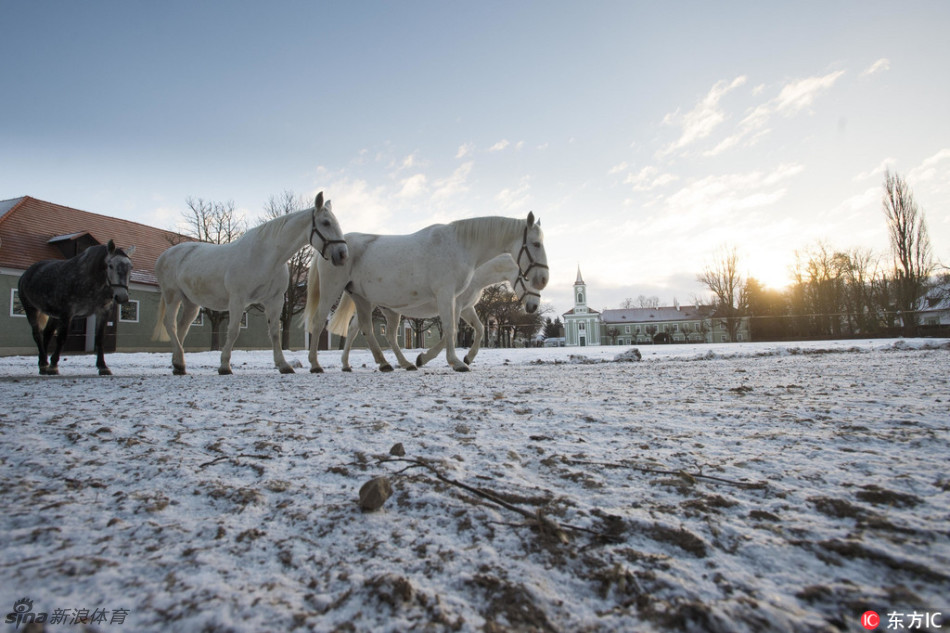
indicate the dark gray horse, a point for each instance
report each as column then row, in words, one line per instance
column 53, row 292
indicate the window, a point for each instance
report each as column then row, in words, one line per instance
column 199, row 320
column 581, row 326
column 636, row 330
column 626, row 329
column 129, row 312
column 676, row 327
column 16, row 308
column 244, row 320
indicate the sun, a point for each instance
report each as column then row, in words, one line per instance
column 772, row 272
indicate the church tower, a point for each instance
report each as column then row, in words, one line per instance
column 580, row 294
column 581, row 324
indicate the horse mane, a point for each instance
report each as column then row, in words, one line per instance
column 97, row 254
column 480, row 230
column 271, row 229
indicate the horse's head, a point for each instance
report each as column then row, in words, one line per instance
column 331, row 244
column 532, row 260
column 118, row 269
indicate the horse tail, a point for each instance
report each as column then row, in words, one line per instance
column 340, row 323
column 313, row 296
column 160, row 333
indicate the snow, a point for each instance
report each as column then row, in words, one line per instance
column 743, row 487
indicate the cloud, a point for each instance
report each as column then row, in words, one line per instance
column 464, row 150
column 932, row 168
column 793, row 97
column 881, row 65
column 887, row 163
column 358, row 206
column 619, row 168
column 413, row 186
column 517, row 198
column 800, row 94
column 711, row 203
column 454, row 184
column 706, row 116
column 500, row 145
column 649, row 178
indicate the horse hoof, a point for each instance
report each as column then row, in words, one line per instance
column 105, row 371
column 467, row 360
column 419, row 361
column 225, row 371
column 411, row 368
column 286, row 370
column 178, row 370
column 348, row 370
column 316, row 370
column 386, row 368
column 52, row 371
column 461, row 368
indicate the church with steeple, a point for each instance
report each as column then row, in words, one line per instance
column 647, row 325
column 581, row 324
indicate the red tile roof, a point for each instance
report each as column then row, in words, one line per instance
column 27, row 225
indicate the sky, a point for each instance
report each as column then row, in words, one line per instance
column 647, row 137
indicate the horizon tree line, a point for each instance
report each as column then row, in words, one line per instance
column 838, row 292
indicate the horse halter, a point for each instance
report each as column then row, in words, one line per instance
column 326, row 243
column 527, row 292
column 532, row 262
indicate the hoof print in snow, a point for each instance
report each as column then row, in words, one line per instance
column 374, row 493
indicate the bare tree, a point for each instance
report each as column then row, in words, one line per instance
column 214, row 222
column 910, row 246
column 722, row 278
column 295, row 299
column 217, row 223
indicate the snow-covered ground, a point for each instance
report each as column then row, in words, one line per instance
column 745, row 487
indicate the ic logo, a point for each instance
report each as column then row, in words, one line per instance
column 870, row 620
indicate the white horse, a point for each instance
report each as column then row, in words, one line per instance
column 252, row 269
column 500, row 269
column 435, row 264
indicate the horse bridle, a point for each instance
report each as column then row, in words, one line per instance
column 527, row 291
column 532, row 264
column 326, row 243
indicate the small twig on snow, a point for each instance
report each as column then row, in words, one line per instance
column 543, row 523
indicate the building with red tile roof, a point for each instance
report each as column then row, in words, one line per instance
column 33, row 230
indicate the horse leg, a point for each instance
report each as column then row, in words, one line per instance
column 471, row 317
column 39, row 337
column 101, row 321
column 235, row 310
column 272, row 312
column 172, row 302
column 392, row 328
column 364, row 312
column 430, row 353
column 345, row 358
column 61, row 326
column 446, row 303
